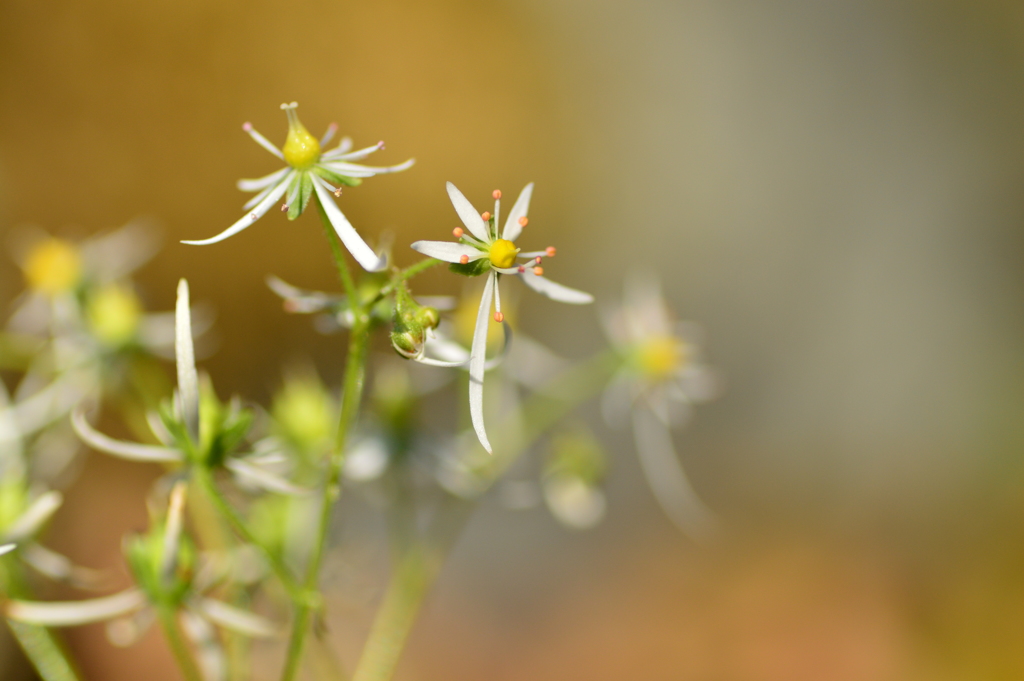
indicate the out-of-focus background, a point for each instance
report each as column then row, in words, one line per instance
column 835, row 190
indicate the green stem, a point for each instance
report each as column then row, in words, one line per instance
column 206, row 481
column 355, row 373
column 406, row 274
column 43, row 648
column 179, row 647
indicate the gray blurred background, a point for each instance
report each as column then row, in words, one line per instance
column 835, row 190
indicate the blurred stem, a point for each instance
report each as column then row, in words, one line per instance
column 355, row 374
column 224, row 507
column 179, row 647
column 41, row 646
column 419, row 565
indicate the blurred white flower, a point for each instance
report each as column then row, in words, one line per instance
column 481, row 250
column 310, row 171
column 662, row 374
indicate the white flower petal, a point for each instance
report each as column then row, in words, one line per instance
column 343, row 151
column 478, row 360
column 363, row 254
column 119, row 448
column 562, row 294
column 71, row 613
column 367, row 460
column 58, row 567
column 356, row 170
column 236, row 619
column 263, row 182
column 257, row 212
column 209, row 653
column 262, row 478
column 34, row 517
column 469, row 215
column 7, row 548
column 185, row 358
column 667, row 479
column 449, row 251
column 512, row 227
column 262, row 141
column 302, row 301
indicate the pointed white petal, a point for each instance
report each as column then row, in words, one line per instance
column 260, row 477
column 125, row 450
column 58, row 567
column 477, row 362
column 449, row 251
column 329, row 135
column 512, row 227
column 262, row 141
column 7, row 548
column 357, row 170
column 185, row 356
column 258, row 198
column 363, row 254
column 667, row 479
column 343, row 151
column 71, row 613
column 34, row 517
column 562, row 294
column 263, row 182
column 209, row 653
column 236, row 619
column 302, row 301
column 469, row 215
column 257, row 212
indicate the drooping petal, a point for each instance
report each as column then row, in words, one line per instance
column 119, row 448
column 303, row 301
column 34, row 517
column 59, row 567
column 263, row 182
column 363, row 254
column 237, row 620
column 512, row 227
column 562, row 294
column 71, row 613
column 667, row 479
column 257, row 212
column 185, row 358
column 478, row 360
column 262, row 478
column 209, row 653
column 449, row 251
column 469, row 215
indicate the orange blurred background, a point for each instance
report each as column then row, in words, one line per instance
column 834, row 190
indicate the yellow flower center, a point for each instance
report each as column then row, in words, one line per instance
column 53, row 266
column 660, row 357
column 114, row 313
column 301, row 149
column 503, row 253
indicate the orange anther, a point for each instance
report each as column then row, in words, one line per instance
column 523, row 221
column 337, row 192
column 486, row 216
column 538, row 271
column 550, row 250
column 463, row 259
column 458, row 232
column 499, row 317
column 284, row 207
column 521, row 269
column 537, row 260
column 496, row 194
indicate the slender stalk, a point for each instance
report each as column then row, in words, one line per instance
column 179, row 647
column 224, row 507
column 355, row 373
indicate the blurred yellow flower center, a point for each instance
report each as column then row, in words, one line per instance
column 662, row 356
column 301, row 149
column 114, row 313
column 503, row 253
column 53, row 266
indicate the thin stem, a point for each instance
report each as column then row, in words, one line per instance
column 179, row 647
column 406, row 274
column 355, row 373
column 206, row 481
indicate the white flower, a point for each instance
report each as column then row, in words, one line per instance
column 189, row 445
column 661, row 376
column 164, row 573
column 310, row 171
column 483, row 250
